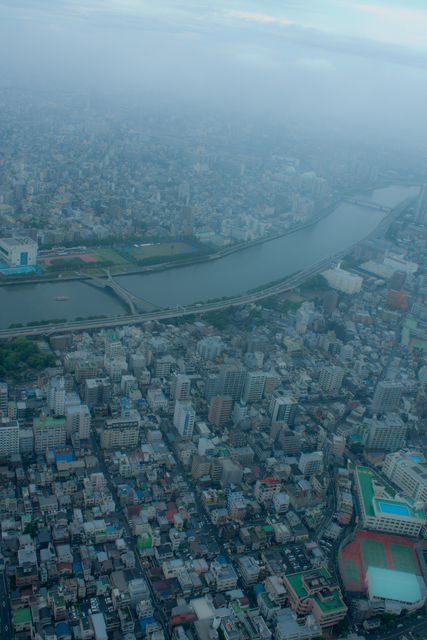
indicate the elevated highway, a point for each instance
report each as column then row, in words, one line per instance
column 286, row 285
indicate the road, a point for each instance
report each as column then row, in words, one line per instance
column 6, row 625
column 287, row 285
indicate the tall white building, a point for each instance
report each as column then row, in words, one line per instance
column 56, row 396
column 388, row 434
column 311, row 463
column 3, row 398
column 387, row 396
column 405, row 469
column 331, row 378
column 282, row 407
column 209, row 348
column 183, row 418
column 343, row 280
column 9, row 437
column 180, row 388
column 254, row 386
column 78, row 421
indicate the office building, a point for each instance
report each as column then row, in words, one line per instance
column 421, row 210
column 121, row 432
column 78, row 421
column 283, row 408
column 311, row 463
column 388, row 434
column 330, row 302
column 49, row 433
column 254, row 386
column 231, row 380
column 382, row 509
column 183, row 418
column 9, row 437
column 387, row 396
column 331, row 378
column 220, row 410
column 231, row 472
column 18, row 252
column 56, row 396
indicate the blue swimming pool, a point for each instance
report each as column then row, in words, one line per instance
column 395, row 509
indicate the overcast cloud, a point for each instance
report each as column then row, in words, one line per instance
column 361, row 61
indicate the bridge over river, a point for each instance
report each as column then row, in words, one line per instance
column 129, row 298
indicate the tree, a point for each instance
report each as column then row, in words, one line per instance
column 30, row 530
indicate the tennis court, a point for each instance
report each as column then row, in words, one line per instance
column 373, row 554
column 352, row 570
column 403, row 558
column 112, row 256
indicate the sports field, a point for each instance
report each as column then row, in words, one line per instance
column 352, row 570
column 166, row 249
column 373, row 554
column 403, row 559
column 111, row 255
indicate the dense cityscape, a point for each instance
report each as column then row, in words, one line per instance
column 255, row 471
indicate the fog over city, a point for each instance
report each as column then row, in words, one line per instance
column 317, row 61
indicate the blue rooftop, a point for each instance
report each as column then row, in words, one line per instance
column 144, row 621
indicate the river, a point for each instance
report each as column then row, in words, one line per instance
column 228, row 276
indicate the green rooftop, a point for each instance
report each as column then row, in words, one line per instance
column 41, row 423
column 365, row 479
column 22, row 615
column 296, row 582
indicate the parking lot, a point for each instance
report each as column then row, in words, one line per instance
column 296, row 560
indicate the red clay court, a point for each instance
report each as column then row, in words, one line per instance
column 382, row 550
column 85, row 257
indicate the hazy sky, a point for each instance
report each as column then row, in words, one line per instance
column 336, row 57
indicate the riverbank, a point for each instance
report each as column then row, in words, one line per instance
column 40, row 279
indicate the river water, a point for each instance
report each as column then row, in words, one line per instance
column 228, row 276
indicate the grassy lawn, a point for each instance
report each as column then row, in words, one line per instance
column 167, row 249
column 111, row 255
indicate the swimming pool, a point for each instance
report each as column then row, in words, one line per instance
column 416, row 458
column 395, row 509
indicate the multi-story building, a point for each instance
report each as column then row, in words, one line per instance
column 224, row 575
column 3, row 398
column 9, row 437
column 183, row 418
column 337, row 446
column 283, row 408
column 387, row 396
column 274, row 585
column 121, row 432
column 310, row 463
column 49, row 433
column 382, row 509
column 220, row 410
column 211, row 386
column 289, row 627
column 331, row 378
column 388, row 434
column 78, row 421
column 406, row 469
column 254, row 386
column 266, row 489
column 231, row 380
column 249, row 570
column 18, row 252
column 180, row 388
column 316, row 593
column 209, row 348
column 56, row 396
column 97, row 391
